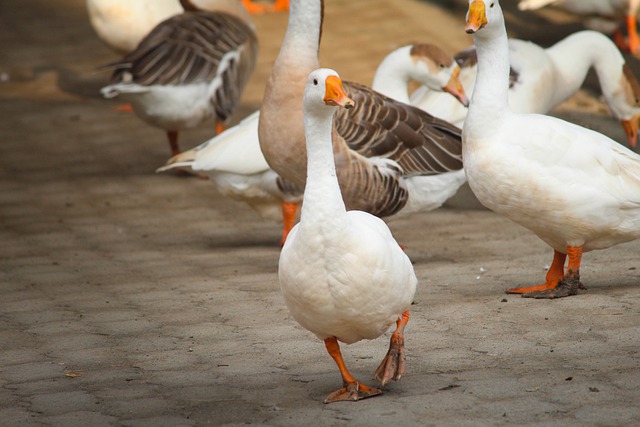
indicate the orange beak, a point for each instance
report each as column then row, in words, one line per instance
column 476, row 17
column 454, row 87
column 335, row 95
column 631, row 129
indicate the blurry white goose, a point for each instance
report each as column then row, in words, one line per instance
column 609, row 11
column 342, row 274
column 191, row 68
column 541, row 79
column 424, row 63
column 390, row 157
column 234, row 163
column 574, row 188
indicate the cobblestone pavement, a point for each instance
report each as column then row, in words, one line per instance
column 129, row 298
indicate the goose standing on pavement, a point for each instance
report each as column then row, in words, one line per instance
column 191, row 68
column 576, row 189
column 342, row 274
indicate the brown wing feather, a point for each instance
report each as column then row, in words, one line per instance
column 382, row 127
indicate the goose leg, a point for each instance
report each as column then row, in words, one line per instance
column 567, row 285
column 280, row 6
column 632, row 30
column 393, row 364
column 352, row 389
column 254, row 8
column 554, row 275
column 175, row 150
column 288, row 219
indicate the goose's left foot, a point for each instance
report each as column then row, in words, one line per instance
column 392, row 366
column 566, row 287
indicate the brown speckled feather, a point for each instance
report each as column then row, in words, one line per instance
column 189, row 48
column 381, row 127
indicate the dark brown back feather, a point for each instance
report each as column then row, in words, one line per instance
column 381, row 127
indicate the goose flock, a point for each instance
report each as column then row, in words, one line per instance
column 334, row 159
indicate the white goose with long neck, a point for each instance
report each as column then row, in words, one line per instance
column 576, row 189
column 342, row 274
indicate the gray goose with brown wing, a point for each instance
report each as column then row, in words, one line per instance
column 191, row 68
column 390, row 157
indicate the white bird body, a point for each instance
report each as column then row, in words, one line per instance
column 577, row 189
column 342, row 274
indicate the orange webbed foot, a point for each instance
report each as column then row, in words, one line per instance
column 392, row 366
column 352, row 392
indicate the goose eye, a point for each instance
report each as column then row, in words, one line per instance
column 441, row 65
column 491, row 4
column 315, row 82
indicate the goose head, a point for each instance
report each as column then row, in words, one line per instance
column 437, row 70
column 323, row 92
column 481, row 14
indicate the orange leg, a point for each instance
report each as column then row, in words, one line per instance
column 393, row 365
column 220, row 127
column 280, row 6
column 620, row 40
column 254, row 8
column 123, row 108
column 569, row 283
column 633, row 39
column 288, row 219
column 352, row 389
column 173, row 142
column 554, row 275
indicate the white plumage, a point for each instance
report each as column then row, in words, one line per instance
column 576, row 189
column 342, row 274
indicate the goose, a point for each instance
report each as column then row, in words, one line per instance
column 391, row 158
column 424, row 63
column 607, row 9
column 541, row 79
column 235, row 164
column 191, row 68
column 342, row 274
column 575, row 188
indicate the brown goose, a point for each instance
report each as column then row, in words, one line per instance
column 390, row 157
column 192, row 67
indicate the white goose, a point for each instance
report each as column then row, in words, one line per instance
column 234, row 162
column 342, row 274
column 576, row 189
column 191, row 68
column 391, row 158
column 541, row 79
column 608, row 10
column 424, row 63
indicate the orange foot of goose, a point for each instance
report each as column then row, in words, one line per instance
column 393, row 365
column 557, row 284
column 353, row 390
